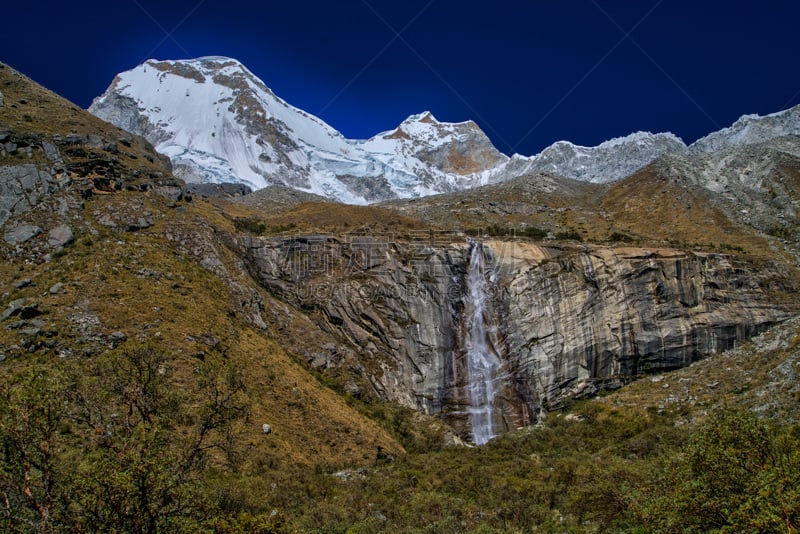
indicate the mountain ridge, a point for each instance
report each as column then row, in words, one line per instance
column 218, row 122
column 243, row 365
column 271, row 142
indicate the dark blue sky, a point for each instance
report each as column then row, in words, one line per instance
column 528, row 72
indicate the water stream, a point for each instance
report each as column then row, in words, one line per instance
column 483, row 363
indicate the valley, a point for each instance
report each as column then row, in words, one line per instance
column 493, row 353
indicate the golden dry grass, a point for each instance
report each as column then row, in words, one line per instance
column 143, row 285
column 328, row 217
column 29, row 107
column 661, row 210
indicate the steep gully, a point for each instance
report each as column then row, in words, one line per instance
column 490, row 336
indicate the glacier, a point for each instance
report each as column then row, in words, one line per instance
column 218, row 122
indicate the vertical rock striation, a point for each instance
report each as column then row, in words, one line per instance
column 591, row 319
column 491, row 336
column 485, row 397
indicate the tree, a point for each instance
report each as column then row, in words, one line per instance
column 114, row 445
column 32, row 408
column 738, row 474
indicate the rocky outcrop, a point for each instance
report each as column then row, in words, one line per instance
column 21, row 233
column 74, row 165
column 53, row 158
column 459, row 149
column 617, row 158
column 395, row 305
column 22, row 187
column 750, row 130
column 610, row 161
column 566, row 322
column 584, row 320
column 123, row 112
column 756, row 185
column 224, row 190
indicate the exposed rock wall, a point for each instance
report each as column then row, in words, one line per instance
column 396, row 305
column 583, row 320
column 568, row 321
column 21, row 188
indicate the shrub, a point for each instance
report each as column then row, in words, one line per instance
column 112, row 445
column 569, row 235
column 250, row 225
column 619, row 237
column 534, row 232
column 738, row 474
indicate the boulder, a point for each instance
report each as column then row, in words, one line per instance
column 57, row 288
column 12, row 309
column 21, row 188
column 266, row 429
column 117, row 338
column 21, row 233
column 60, row 236
column 2, row 100
column 53, row 155
column 353, row 389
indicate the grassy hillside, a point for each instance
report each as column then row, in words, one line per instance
column 148, row 384
column 649, row 205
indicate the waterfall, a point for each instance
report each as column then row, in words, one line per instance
column 483, row 363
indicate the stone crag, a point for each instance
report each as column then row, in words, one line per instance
column 567, row 321
column 584, row 320
column 53, row 156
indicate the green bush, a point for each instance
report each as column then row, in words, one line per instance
column 569, row 235
column 111, row 446
column 249, row 225
column 495, row 230
column 533, row 232
column 738, row 474
column 619, row 237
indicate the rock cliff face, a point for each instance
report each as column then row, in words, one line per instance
column 396, row 305
column 583, row 320
column 564, row 322
column 750, row 130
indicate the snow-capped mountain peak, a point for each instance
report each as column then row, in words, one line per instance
column 421, row 142
column 425, row 116
column 606, row 162
column 218, row 122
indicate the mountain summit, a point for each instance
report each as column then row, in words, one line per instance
column 218, row 122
